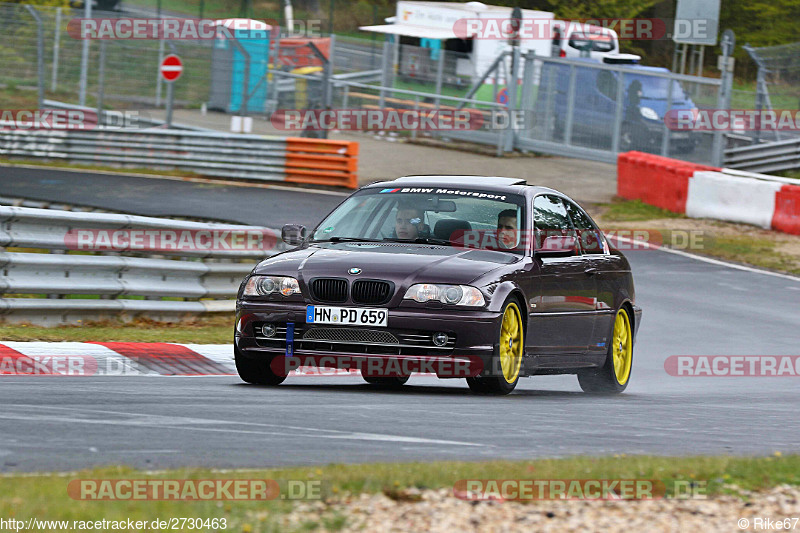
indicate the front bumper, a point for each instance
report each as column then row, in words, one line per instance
column 472, row 333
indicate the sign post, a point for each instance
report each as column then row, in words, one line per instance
column 170, row 69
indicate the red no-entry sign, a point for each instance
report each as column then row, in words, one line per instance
column 171, row 68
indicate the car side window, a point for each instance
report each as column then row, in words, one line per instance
column 607, row 84
column 589, row 237
column 550, row 219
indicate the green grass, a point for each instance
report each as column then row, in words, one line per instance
column 753, row 248
column 45, row 497
column 794, row 174
column 634, row 210
column 758, row 252
column 201, row 330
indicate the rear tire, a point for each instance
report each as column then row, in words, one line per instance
column 256, row 371
column 507, row 360
column 615, row 374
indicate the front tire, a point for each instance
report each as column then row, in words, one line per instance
column 504, row 373
column 615, row 374
column 256, row 371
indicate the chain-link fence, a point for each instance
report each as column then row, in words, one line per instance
column 575, row 107
column 777, row 83
column 130, row 67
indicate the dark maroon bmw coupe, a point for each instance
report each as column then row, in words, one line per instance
column 485, row 278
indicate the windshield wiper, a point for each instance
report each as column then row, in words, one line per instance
column 346, row 239
column 421, row 240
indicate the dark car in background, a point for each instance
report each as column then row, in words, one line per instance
column 515, row 278
column 647, row 95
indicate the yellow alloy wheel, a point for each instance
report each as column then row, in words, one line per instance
column 622, row 348
column 511, row 343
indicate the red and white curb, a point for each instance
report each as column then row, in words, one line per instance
column 125, row 359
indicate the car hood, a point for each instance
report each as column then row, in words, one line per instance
column 400, row 263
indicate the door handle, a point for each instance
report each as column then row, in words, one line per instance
column 590, row 271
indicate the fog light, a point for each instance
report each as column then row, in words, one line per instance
column 440, row 338
column 268, row 330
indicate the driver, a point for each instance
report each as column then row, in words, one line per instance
column 408, row 222
column 507, row 228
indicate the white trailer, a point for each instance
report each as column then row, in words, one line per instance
column 444, row 21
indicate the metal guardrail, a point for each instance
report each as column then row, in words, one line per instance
column 114, row 281
column 255, row 157
column 25, row 227
column 207, row 153
column 766, row 157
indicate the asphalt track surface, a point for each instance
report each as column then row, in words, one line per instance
column 271, row 207
column 690, row 308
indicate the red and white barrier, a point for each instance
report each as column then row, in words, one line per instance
column 707, row 192
column 115, row 359
column 128, row 359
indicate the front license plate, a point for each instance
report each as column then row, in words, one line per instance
column 346, row 316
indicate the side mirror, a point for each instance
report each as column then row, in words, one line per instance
column 558, row 246
column 293, row 234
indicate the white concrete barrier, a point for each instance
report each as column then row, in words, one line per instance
column 732, row 198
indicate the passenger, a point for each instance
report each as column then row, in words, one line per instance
column 507, row 234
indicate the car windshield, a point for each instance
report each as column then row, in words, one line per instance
column 654, row 88
column 467, row 217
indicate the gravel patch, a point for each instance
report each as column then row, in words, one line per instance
column 440, row 511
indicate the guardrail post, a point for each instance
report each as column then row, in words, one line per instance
column 570, row 105
column 512, row 106
column 384, row 73
column 724, row 96
column 101, row 78
column 618, row 112
column 416, row 114
column 329, row 73
column 56, row 49
column 87, row 14
column 39, row 51
column 665, row 137
column 439, row 77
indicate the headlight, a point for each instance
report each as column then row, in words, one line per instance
column 648, row 113
column 265, row 285
column 447, row 294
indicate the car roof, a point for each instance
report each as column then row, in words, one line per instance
column 473, row 182
column 592, row 61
